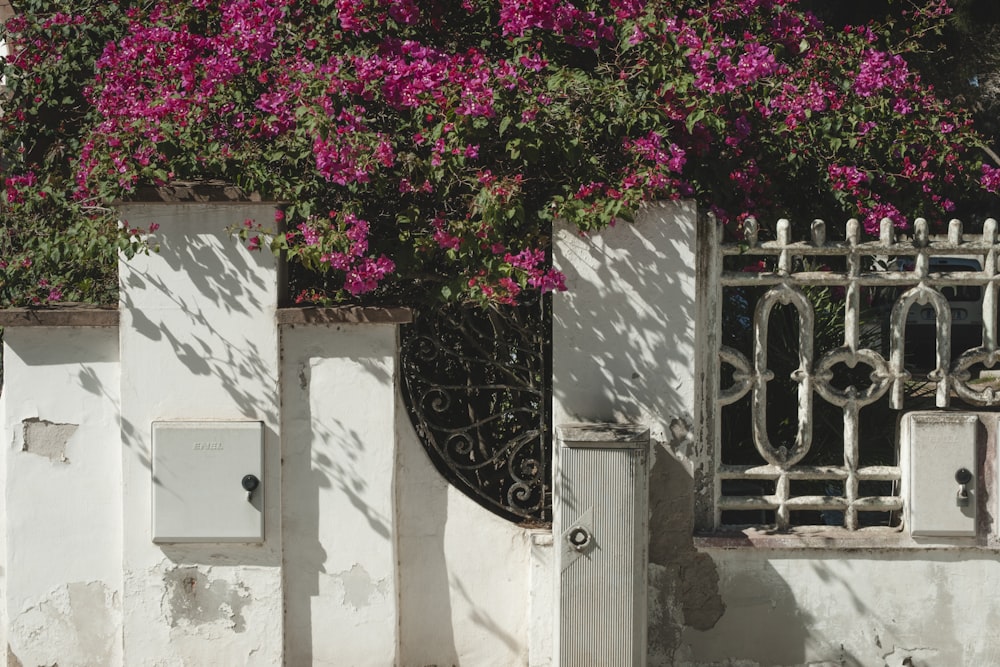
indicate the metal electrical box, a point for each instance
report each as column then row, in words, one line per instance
column 601, row 528
column 943, row 477
column 207, row 481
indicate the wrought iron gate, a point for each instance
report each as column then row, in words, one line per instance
column 476, row 383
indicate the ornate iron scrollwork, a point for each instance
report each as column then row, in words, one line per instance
column 476, row 383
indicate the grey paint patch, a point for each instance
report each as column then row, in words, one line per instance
column 192, row 600
column 359, row 587
column 681, row 435
column 664, row 629
column 684, row 583
column 75, row 625
column 47, row 439
column 764, row 625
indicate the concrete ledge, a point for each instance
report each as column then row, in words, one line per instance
column 65, row 315
column 602, row 435
column 345, row 315
column 874, row 538
column 86, row 315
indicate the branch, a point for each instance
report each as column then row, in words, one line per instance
column 989, row 151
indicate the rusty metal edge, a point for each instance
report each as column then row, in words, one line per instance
column 85, row 315
column 181, row 192
column 345, row 315
column 67, row 315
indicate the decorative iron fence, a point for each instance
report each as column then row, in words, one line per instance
column 476, row 383
column 819, row 345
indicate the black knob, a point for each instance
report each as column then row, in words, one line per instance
column 250, row 482
column 963, row 476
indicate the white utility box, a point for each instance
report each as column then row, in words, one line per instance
column 601, row 523
column 207, row 481
column 942, row 453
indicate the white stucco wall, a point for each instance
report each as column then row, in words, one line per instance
column 624, row 350
column 465, row 575
column 369, row 557
column 338, row 498
column 61, row 472
column 855, row 609
column 623, row 334
column 386, row 564
column 198, row 341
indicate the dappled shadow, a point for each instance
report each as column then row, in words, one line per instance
column 623, row 335
column 211, row 345
column 624, row 350
column 426, row 615
column 763, row 624
column 198, row 342
column 481, row 617
column 336, row 496
column 856, row 608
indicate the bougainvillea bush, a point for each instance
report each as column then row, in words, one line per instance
column 430, row 144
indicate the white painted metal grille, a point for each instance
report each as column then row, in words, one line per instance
column 848, row 311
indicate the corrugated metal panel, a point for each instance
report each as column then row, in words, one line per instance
column 602, row 525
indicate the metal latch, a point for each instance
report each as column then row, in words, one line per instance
column 963, row 477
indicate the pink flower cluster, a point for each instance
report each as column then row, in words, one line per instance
column 445, row 239
column 878, row 71
column 408, row 74
column 846, row 178
column 470, row 126
column 580, row 28
column 15, row 185
column 362, row 273
column 539, row 275
column 720, row 72
column 358, row 17
column 650, row 148
column 872, row 215
column 990, row 178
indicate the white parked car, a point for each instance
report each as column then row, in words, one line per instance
column 966, row 304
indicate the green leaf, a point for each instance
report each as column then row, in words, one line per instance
column 694, row 118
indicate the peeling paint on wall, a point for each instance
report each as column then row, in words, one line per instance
column 359, row 586
column 76, row 625
column 913, row 657
column 191, row 599
column 47, row 439
column 684, row 583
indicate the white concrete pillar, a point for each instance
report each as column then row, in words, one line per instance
column 625, row 348
column 624, row 333
column 338, row 498
column 60, row 470
column 199, row 342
